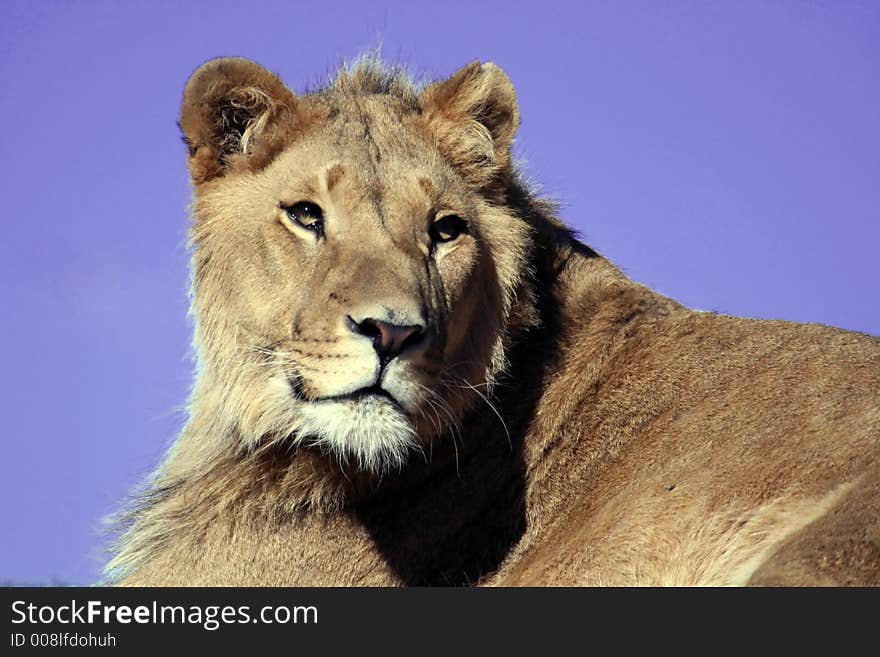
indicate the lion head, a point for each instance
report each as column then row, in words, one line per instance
column 357, row 272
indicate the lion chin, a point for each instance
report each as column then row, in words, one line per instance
column 370, row 429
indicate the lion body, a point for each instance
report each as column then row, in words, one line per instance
column 619, row 439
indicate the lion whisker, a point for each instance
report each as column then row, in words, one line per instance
column 468, row 386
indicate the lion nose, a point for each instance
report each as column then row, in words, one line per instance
column 388, row 339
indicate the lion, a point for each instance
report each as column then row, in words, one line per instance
column 410, row 372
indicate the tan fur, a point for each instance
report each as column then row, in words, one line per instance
column 557, row 423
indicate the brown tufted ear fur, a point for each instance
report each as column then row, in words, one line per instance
column 474, row 116
column 235, row 114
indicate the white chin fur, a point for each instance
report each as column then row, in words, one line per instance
column 374, row 432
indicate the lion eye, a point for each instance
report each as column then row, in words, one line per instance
column 307, row 214
column 447, row 228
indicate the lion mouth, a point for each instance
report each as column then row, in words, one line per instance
column 374, row 392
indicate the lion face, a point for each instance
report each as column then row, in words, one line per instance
column 354, row 270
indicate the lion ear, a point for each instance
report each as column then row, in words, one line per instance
column 235, row 114
column 474, row 116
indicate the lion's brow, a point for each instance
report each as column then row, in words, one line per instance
column 429, row 189
column 334, row 175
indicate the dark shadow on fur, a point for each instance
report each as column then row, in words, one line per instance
column 454, row 520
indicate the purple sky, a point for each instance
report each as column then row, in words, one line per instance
column 727, row 154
